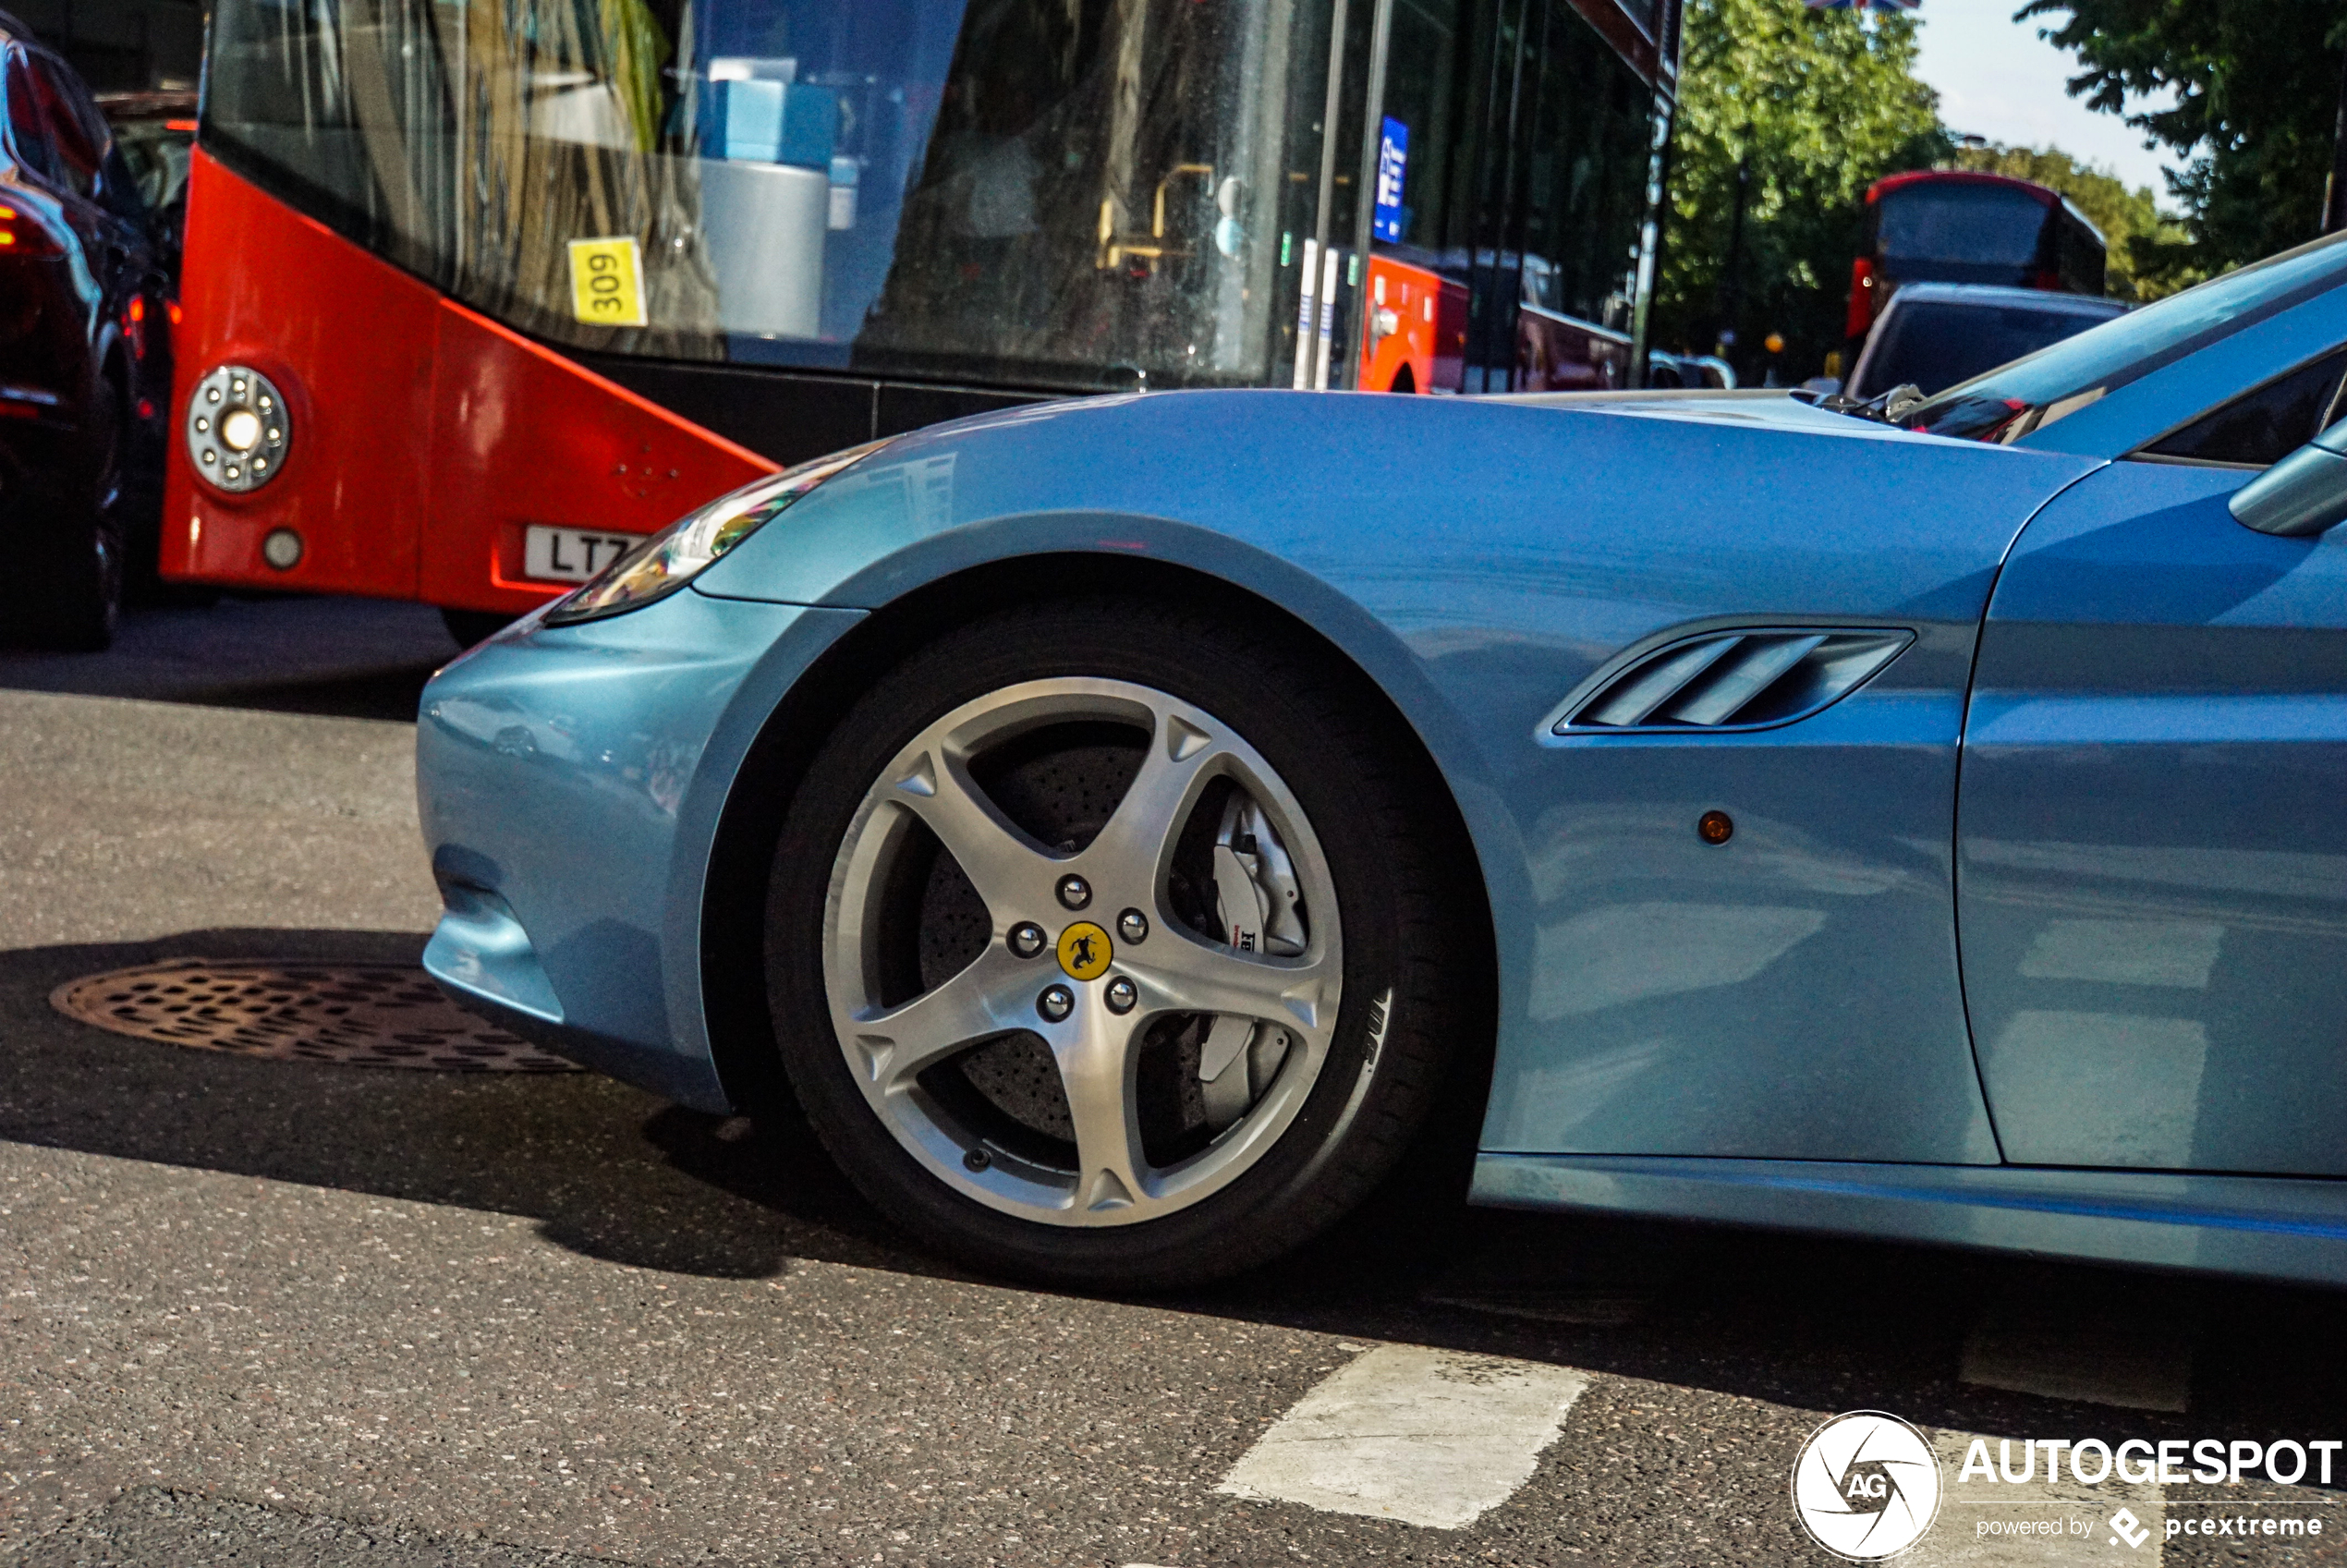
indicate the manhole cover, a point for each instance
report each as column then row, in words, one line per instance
column 362, row 1015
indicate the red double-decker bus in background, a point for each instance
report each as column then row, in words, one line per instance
column 475, row 295
column 1956, row 226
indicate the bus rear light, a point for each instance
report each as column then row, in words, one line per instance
column 173, row 310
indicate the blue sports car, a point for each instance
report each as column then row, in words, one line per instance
column 1119, row 822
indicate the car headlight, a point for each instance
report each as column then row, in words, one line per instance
column 675, row 556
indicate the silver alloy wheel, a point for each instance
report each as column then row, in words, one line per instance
column 1122, row 989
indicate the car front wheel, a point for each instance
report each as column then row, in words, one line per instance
column 1103, row 946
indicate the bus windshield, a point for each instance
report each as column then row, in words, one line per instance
column 2028, row 394
column 1067, row 194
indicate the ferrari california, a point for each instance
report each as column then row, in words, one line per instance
column 1117, row 824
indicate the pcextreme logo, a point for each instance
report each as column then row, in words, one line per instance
column 1866, row 1485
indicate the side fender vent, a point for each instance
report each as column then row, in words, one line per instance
column 1734, row 680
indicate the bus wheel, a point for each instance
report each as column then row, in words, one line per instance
column 1404, row 381
column 1104, row 947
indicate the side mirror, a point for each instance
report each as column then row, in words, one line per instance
column 2302, row 494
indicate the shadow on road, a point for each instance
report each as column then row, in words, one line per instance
column 347, row 658
column 606, row 1170
column 615, row 1174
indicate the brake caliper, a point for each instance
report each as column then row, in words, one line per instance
column 1260, row 909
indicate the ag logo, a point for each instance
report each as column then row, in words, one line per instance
column 1867, row 1486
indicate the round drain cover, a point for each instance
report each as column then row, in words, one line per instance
column 360, row 1015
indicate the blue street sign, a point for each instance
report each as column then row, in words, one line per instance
column 1392, row 163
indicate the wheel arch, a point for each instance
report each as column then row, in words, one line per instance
column 731, row 954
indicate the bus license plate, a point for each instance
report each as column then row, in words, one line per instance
column 570, row 554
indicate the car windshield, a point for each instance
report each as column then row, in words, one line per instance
column 1937, row 343
column 2030, row 394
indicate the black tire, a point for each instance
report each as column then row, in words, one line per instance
column 77, row 597
column 1396, row 1030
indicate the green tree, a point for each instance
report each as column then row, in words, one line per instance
column 1785, row 117
column 2124, row 215
column 2256, row 90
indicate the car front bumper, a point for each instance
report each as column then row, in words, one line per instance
column 570, row 781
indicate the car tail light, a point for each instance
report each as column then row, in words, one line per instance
column 20, row 236
column 2050, row 282
column 1863, row 287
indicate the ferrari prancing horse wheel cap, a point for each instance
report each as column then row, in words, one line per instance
column 237, row 429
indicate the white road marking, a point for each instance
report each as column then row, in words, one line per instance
column 1980, row 1523
column 1426, row 1437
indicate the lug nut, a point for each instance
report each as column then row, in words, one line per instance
column 1121, row 995
column 1132, row 925
column 977, row 1160
column 1074, row 891
column 1055, row 1004
column 1027, row 938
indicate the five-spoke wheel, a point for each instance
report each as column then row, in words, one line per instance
column 1195, row 922
column 1090, row 943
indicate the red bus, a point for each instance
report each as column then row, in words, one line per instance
column 476, row 294
column 1955, row 225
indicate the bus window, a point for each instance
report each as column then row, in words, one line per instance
column 1049, row 194
column 1524, row 196
column 1928, row 231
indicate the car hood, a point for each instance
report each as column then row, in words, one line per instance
column 1692, row 506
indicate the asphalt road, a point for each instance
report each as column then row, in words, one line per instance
column 270, row 1313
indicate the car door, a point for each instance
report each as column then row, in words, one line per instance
column 2152, row 814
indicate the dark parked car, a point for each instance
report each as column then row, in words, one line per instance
column 1935, row 336
column 85, row 383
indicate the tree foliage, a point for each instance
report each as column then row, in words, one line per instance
column 2256, row 90
column 1803, row 109
column 2124, row 215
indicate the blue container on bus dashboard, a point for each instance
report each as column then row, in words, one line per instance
column 770, row 120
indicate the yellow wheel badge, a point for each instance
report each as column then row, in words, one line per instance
column 1084, row 951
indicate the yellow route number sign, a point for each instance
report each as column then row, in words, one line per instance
column 607, row 282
